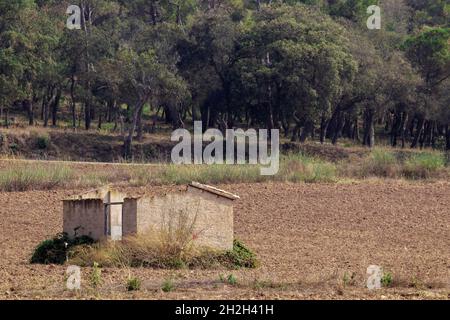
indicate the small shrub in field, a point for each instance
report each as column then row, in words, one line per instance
column 168, row 285
column 241, row 257
column 423, row 165
column 43, row 142
column 55, row 251
column 232, row 280
column 133, row 284
column 381, row 163
column 96, row 275
column 386, row 279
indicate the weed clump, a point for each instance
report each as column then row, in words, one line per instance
column 43, row 142
column 387, row 279
column 96, row 275
column 241, row 257
column 133, row 284
column 168, row 286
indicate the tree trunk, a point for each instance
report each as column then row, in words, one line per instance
column 355, row 133
column 403, row 128
column 323, row 129
column 369, row 129
column 338, row 128
column 55, row 106
column 87, row 114
column 128, row 141
column 395, row 128
column 28, row 104
column 140, row 126
column 306, row 131
column 87, row 15
column 72, row 103
column 7, row 118
column 419, row 130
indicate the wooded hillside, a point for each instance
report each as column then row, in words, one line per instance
column 311, row 68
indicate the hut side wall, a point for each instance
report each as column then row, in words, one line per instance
column 211, row 215
column 86, row 215
column 129, row 217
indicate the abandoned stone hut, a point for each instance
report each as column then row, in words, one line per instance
column 109, row 214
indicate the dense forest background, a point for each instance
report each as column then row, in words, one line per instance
column 310, row 68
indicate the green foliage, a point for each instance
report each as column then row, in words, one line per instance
column 56, row 250
column 96, row 275
column 430, row 52
column 301, row 168
column 43, row 142
column 133, row 284
column 232, row 280
column 168, row 286
column 241, row 256
column 295, row 64
column 430, row 12
column 381, row 163
column 351, row 9
column 388, row 163
column 387, row 279
column 423, row 165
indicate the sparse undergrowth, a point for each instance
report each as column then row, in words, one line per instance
column 33, row 177
column 383, row 163
column 133, row 252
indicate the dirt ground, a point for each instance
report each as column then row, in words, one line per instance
column 313, row 241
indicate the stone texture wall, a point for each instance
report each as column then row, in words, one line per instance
column 87, row 215
column 211, row 215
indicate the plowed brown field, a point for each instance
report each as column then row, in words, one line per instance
column 310, row 240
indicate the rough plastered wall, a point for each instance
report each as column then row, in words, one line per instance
column 211, row 215
column 86, row 215
column 129, row 217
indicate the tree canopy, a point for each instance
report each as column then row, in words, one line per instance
column 310, row 68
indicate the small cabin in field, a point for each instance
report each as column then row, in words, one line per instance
column 106, row 213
